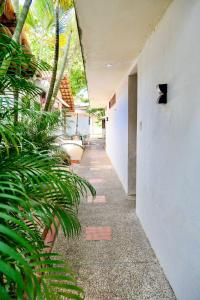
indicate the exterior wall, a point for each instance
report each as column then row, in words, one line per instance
column 117, row 134
column 83, row 125
column 168, row 145
column 168, row 164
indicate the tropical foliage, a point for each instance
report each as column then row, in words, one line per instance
column 77, row 75
column 36, row 188
column 99, row 113
column 19, row 59
column 42, row 27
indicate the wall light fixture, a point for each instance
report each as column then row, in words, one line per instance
column 162, row 91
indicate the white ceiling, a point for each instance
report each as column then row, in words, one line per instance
column 114, row 32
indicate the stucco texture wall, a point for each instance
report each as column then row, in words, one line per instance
column 168, row 146
column 83, row 125
column 117, row 134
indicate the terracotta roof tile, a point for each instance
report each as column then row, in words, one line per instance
column 66, row 93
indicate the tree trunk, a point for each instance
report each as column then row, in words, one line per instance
column 16, row 91
column 22, row 20
column 60, row 76
column 65, row 122
column 77, row 119
column 70, row 62
column 55, row 67
column 16, row 36
column 16, row 106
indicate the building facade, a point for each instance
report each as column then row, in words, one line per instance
column 155, row 148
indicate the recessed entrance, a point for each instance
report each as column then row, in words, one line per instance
column 132, row 134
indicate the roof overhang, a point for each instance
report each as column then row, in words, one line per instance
column 113, row 32
column 62, row 101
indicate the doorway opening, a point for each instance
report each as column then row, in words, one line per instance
column 132, row 135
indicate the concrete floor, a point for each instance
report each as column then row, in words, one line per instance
column 124, row 266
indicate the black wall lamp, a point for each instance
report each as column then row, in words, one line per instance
column 162, row 90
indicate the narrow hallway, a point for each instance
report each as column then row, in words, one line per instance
column 112, row 257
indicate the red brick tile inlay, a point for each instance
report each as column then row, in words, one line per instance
column 98, row 233
column 98, row 199
column 75, row 161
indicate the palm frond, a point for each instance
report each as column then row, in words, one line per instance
column 43, row 192
column 65, row 20
column 36, row 189
column 23, row 66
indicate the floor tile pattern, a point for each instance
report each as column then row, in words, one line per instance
column 98, row 233
column 123, row 267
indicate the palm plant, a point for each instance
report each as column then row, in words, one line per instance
column 64, row 4
column 58, row 19
column 62, row 70
column 16, row 36
column 14, row 83
column 38, row 131
column 40, row 24
column 36, row 191
column 38, row 128
column 56, row 57
column 22, row 60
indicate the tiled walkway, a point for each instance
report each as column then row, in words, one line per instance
column 113, row 257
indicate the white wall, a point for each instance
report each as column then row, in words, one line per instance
column 168, row 145
column 117, row 134
column 83, row 125
column 168, row 175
